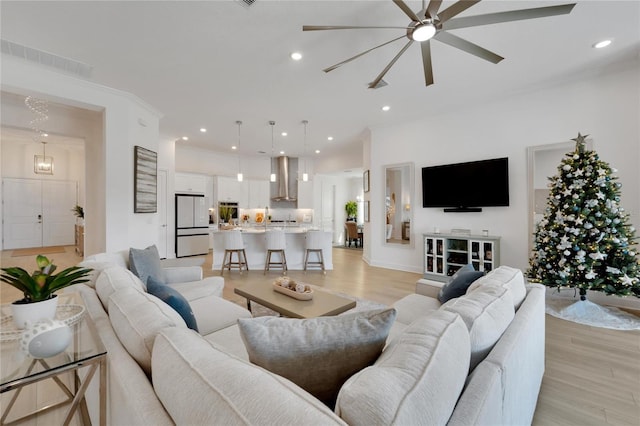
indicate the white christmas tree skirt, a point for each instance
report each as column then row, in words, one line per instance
column 589, row 313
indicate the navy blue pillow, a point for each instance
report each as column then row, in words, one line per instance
column 171, row 297
column 459, row 283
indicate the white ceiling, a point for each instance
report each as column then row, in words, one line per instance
column 208, row 64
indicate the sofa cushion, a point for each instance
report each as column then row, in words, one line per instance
column 113, row 279
column 119, row 258
column 507, row 277
column 192, row 290
column 317, row 354
column 214, row 313
column 145, row 263
column 219, row 389
column 413, row 306
column 459, row 282
column 487, row 312
column 96, row 269
column 174, row 299
column 416, row 380
column 136, row 318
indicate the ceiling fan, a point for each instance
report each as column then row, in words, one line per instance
column 428, row 24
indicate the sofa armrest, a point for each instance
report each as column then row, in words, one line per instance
column 181, row 274
column 428, row 287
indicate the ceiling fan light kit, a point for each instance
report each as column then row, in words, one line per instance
column 430, row 23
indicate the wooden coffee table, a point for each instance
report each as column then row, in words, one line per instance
column 322, row 304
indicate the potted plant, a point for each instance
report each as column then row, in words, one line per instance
column 352, row 209
column 225, row 213
column 78, row 211
column 38, row 288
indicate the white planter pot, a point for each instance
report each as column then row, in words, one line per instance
column 32, row 312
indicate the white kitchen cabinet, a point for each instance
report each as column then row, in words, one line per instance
column 229, row 189
column 305, row 195
column 258, row 194
column 190, row 183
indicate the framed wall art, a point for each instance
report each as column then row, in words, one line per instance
column 366, row 211
column 145, row 189
column 365, row 181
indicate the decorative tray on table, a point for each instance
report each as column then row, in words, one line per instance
column 289, row 287
column 68, row 314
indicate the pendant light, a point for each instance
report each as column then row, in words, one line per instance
column 272, row 177
column 305, row 175
column 239, row 123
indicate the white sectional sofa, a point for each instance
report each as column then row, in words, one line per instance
column 160, row 372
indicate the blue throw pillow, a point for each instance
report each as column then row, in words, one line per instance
column 171, row 297
column 145, row 263
column 459, row 283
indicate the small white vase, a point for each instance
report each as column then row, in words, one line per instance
column 35, row 311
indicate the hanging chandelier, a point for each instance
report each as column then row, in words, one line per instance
column 42, row 164
column 305, row 175
column 272, row 177
column 240, row 177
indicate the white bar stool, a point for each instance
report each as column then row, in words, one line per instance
column 233, row 244
column 276, row 243
column 313, row 244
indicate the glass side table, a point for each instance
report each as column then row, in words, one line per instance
column 85, row 350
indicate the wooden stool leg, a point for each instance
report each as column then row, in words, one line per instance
column 322, row 262
column 244, row 256
column 224, row 261
column 284, row 263
column 266, row 262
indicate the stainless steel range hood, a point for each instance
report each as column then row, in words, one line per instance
column 285, row 179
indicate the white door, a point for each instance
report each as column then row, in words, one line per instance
column 58, row 221
column 328, row 214
column 162, row 213
column 22, row 213
column 38, row 213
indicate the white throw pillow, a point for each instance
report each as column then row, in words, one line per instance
column 507, row 277
column 317, row 354
column 416, row 380
column 487, row 312
column 137, row 317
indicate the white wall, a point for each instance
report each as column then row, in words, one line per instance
column 607, row 107
column 127, row 121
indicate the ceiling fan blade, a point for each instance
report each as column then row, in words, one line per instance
column 333, row 67
column 432, row 9
column 410, row 13
column 512, row 15
column 467, row 46
column 374, row 83
column 426, row 62
column 344, row 27
column 455, row 9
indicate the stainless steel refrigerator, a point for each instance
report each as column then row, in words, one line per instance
column 192, row 225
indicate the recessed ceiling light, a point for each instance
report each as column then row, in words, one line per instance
column 386, row 108
column 203, row 130
column 330, row 138
column 296, row 56
column 284, row 133
column 281, row 152
column 601, row 44
column 317, row 151
column 234, row 147
column 185, row 138
column 46, row 135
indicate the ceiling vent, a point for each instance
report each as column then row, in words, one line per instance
column 48, row 59
column 246, row 3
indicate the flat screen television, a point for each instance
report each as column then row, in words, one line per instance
column 464, row 187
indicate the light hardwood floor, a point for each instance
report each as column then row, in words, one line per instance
column 592, row 374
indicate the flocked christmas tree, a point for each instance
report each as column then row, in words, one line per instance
column 585, row 240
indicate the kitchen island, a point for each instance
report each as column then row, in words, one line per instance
column 256, row 248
